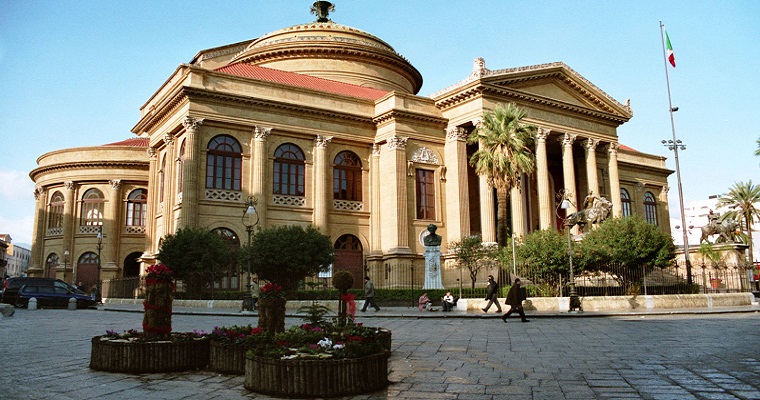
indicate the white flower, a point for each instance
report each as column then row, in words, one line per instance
column 339, row 346
column 325, row 343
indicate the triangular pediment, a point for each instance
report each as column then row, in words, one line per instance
column 545, row 83
column 558, row 82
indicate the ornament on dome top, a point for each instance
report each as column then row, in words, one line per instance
column 321, row 9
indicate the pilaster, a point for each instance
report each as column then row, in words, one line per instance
column 258, row 171
column 320, row 183
column 458, row 200
column 395, row 222
column 375, row 213
column 190, row 186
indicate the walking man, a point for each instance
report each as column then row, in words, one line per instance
column 369, row 295
column 515, row 297
column 492, row 294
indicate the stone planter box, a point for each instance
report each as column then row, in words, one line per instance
column 316, row 378
column 139, row 357
column 227, row 358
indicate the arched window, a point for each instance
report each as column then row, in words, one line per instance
column 347, row 177
column 289, row 170
column 625, row 200
column 650, row 208
column 55, row 211
column 137, row 207
column 224, row 163
column 92, row 208
column 180, row 166
column 229, row 236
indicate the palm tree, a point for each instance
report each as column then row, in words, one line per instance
column 757, row 152
column 744, row 199
column 505, row 153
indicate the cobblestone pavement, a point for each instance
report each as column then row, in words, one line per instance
column 45, row 355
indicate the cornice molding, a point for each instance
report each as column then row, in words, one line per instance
column 393, row 115
column 138, row 165
column 483, row 89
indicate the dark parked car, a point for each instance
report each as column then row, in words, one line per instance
column 13, row 285
column 49, row 296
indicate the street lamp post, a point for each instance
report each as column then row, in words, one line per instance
column 565, row 204
column 250, row 220
column 66, row 263
column 675, row 145
column 100, row 245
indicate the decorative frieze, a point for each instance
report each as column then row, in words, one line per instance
column 57, row 231
column 134, row 230
column 89, row 229
column 425, row 156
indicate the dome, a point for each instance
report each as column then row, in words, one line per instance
column 333, row 51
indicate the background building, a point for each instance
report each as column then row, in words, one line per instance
column 321, row 124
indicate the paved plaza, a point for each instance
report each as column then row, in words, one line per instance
column 45, row 355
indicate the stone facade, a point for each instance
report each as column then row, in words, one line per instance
column 322, row 124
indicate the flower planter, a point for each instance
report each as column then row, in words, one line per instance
column 152, row 356
column 227, row 358
column 316, row 378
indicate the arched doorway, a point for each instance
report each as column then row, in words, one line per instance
column 132, row 265
column 349, row 256
column 87, row 271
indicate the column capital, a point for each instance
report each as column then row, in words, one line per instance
column 639, row 186
column 456, row 134
column 568, row 138
column 152, row 154
column 70, row 185
column 192, row 123
column 397, row 142
column 477, row 121
column 612, row 148
column 168, row 138
column 322, row 141
column 590, row 144
column 39, row 191
column 375, row 148
column 542, row 133
column 261, row 132
column 115, row 183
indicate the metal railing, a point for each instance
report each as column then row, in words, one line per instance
column 608, row 280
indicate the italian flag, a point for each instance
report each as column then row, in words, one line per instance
column 671, row 56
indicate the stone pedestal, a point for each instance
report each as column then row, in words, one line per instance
column 433, row 268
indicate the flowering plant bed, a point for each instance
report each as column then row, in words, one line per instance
column 229, row 345
column 135, row 352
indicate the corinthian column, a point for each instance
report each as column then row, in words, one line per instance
column 259, row 167
column 69, row 224
column 36, row 262
column 375, row 215
column 542, row 177
column 320, row 183
column 568, row 170
column 517, row 203
column 591, row 175
column 395, row 223
column 458, row 202
column 617, row 203
column 111, row 232
column 150, row 220
column 487, row 208
column 190, row 187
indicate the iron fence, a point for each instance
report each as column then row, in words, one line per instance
column 607, row 280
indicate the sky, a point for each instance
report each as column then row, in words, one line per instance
column 76, row 72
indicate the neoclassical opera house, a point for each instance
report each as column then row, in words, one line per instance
column 321, row 123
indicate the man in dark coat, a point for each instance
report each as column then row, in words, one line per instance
column 492, row 294
column 515, row 297
column 369, row 295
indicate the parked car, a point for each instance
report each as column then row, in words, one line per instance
column 50, row 296
column 13, row 285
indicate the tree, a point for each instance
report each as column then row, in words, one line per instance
column 285, row 255
column 505, row 153
column 757, row 152
column 471, row 254
column 630, row 242
column 545, row 251
column 744, row 199
column 197, row 256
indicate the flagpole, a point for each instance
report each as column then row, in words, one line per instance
column 675, row 146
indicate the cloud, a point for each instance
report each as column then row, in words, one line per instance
column 20, row 228
column 15, row 185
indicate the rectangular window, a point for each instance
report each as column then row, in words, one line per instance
column 425, row 194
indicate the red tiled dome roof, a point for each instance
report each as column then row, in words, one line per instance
column 132, row 142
